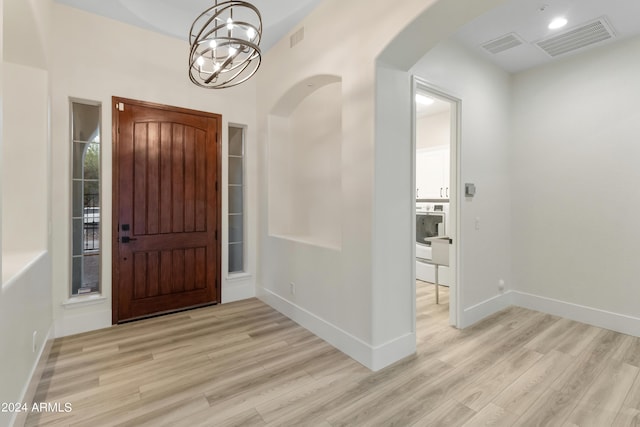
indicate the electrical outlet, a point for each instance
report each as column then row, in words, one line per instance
column 501, row 285
column 292, row 288
column 34, row 342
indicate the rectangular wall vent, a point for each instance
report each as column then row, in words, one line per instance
column 585, row 35
column 503, row 43
column 296, row 37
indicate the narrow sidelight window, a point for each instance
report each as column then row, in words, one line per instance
column 85, row 204
column 236, row 199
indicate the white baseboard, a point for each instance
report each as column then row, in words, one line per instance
column 392, row 351
column 476, row 313
column 374, row 358
column 29, row 390
column 237, row 291
column 592, row 316
column 72, row 324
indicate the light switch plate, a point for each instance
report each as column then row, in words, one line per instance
column 469, row 190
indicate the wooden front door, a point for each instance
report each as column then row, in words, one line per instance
column 166, row 209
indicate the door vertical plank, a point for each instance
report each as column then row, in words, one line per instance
column 153, row 178
column 166, row 204
column 189, row 269
column 125, row 207
column 201, row 275
column 178, row 270
column 140, row 179
column 166, row 266
column 212, row 255
column 189, row 179
column 153, row 274
column 178, row 179
column 139, row 275
column 201, row 182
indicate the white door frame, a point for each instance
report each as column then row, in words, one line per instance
column 456, row 287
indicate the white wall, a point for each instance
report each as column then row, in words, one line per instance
column 305, row 169
column 25, row 292
column 25, row 308
column 25, row 170
column 360, row 297
column 394, row 199
column 333, row 296
column 576, row 198
column 27, row 28
column 97, row 58
column 484, row 89
column 433, row 130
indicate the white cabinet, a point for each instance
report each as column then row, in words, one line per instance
column 432, row 173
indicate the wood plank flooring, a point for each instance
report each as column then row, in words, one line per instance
column 244, row 364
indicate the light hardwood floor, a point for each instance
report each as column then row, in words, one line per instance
column 244, row 364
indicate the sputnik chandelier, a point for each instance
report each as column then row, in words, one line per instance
column 225, row 42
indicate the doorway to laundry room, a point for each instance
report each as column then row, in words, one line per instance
column 436, row 153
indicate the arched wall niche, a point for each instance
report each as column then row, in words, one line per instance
column 305, row 163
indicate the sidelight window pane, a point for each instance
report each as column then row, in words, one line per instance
column 76, row 186
column 235, row 200
column 235, row 228
column 76, row 161
column 77, row 237
column 236, row 258
column 86, row 122
column 85, row 192
column 235, row 170
column 76, row 275
column 91, row 162
column 236, row 182
column 236, row 141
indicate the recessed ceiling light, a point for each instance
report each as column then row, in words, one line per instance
column 424, row 100
column 558, row 23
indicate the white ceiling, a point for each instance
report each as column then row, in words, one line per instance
column 174, row 17
column 438, row 106
column 529, row 19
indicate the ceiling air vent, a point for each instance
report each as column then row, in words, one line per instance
column 296, row 37
column 503, row 43
column 577, row 38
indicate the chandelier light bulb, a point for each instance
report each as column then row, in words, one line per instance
column 213, row 44
column 200, row 61
column 232, row 51
column 251, row 33
column 229, row 23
